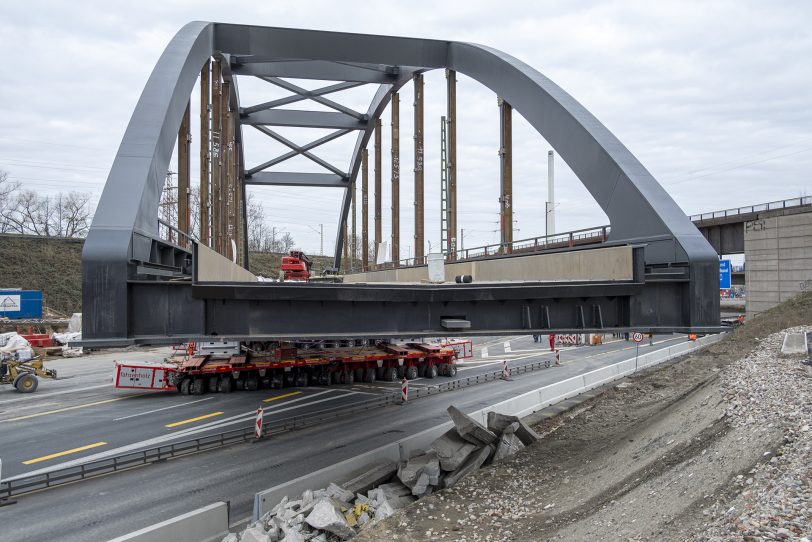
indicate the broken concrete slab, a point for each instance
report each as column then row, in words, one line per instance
column 384, row 511
column 452, row 450
column 470, row 429
column 411, row 471
column 421, row 484
column 326, row 516
column 509, row 444
column 371, row 477
column 471, row 464
column 255, row 533
column 338, row 492
column 499, row 422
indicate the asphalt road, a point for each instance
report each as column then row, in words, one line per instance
column 83, row 417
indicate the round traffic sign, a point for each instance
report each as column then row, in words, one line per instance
column 637, row 337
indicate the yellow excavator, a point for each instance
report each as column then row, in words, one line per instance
column 23, row 374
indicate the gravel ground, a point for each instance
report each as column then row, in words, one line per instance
column 714, row 447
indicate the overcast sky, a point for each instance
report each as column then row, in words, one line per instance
column 714, row 98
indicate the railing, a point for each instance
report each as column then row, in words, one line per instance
column 168, row 232
column 782, row 204
column 91, row 469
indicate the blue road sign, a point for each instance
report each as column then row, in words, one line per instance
column 724, row 274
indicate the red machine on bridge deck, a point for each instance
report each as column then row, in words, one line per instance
column 296, row 266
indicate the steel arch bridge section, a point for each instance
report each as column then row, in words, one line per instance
column 127, row 294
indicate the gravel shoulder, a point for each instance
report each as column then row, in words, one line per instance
column 713, row 447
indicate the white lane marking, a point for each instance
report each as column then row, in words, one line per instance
column 507, row 347
column 160, row 409
column 485, row 352
column 170, row 437
column 51, row 394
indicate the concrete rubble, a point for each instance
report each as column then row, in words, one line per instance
column 340, row 511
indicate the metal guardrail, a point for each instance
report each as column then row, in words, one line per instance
column 770, row 206
column 91, row 469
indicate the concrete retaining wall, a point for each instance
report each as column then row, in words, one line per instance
column 601, row 264
column 778, row 256
column 207, row 524
column 521, row 405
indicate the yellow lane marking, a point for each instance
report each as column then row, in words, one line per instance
column 191, row 420
column 58, row 410
column 269, row 399
column 66, row 452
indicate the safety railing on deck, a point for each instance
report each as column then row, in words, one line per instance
column 773, row 205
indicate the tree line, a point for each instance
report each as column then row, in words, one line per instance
column 26, row 212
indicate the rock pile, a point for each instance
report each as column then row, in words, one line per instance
column 339, row 512
column 766, row 389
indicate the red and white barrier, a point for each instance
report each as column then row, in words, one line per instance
column 404, row 390
column 258, row 424
column 558, row 357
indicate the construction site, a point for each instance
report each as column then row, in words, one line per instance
column 166, row 375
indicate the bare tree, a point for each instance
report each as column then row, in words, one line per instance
column 26, row 212
column 8, row 191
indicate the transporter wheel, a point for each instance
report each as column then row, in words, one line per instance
column 359, row 375
column 401, row 372
column 26, row 383
column 369, row 375
column 390, row 374
column 198, row 386
column 421, row 370
column 276, row 381
column 301, row 379
column 452, row 369
column 431, row 371
column 183, row 387
column 411, row 372
column 379, row 373
column 252, row 383
column 349, row 377
column 290, row 380
column 225, row 384
column 324, row 378
column 213, row 383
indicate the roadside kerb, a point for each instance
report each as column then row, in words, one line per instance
column 521, row 405
column 207, row 524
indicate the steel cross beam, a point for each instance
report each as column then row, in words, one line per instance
column 138, row 287
column 298, row 97
column 303, row 150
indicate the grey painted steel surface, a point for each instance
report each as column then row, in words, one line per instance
column 674, row 288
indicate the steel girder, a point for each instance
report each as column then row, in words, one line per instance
column 126, row 297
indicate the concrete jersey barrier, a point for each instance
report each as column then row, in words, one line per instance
column 207, row 524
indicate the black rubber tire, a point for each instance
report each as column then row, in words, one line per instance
column 379, row 373
column 431, row 371
column 252, row 383
column 198, row 386
column 390, row 375
column 359, row 375
column 411, row 372
column 183, row 387
column 324, row 378
column 213, row 384
column 401, row 372
column 301, row 379
column 452, row 369
column 421, row 370
column 26, row 383
column 225, row 384
column 369, row 375
column 349, row 378
column 276, row 381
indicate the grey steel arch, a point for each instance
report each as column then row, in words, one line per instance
column 123, row 241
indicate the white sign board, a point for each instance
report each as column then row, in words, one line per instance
column 10, row 303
